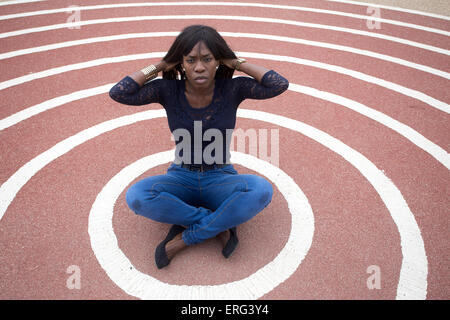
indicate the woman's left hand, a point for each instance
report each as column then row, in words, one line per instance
column 230, row 63
column 168, row 66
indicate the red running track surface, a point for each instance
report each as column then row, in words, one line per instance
column 44, row 226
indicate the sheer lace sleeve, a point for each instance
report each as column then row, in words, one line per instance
column 128, row 91
column 272, row 84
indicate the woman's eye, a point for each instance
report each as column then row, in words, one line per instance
column 190, row 60
column 208, row 59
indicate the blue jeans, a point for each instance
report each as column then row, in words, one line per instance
column 207, row 203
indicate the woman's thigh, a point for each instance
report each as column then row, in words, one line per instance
column 150, row 187
column 221, row 187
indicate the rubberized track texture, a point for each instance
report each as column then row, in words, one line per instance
column 361, row 181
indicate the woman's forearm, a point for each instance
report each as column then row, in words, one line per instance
column 139, row 76
column 255, row 71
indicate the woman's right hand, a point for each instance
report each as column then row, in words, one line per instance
column 230, row 63
column 168, row 66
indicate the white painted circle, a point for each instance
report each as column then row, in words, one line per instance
column 132, row 281
column 414, row 270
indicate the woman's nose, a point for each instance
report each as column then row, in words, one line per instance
column 199, row 67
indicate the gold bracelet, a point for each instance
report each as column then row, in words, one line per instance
column 239, row 62
column 150, row 72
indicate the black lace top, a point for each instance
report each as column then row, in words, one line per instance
column 200, row 133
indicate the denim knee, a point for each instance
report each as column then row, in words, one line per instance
column 265, row 192
column 133, row 199
column 262, row 190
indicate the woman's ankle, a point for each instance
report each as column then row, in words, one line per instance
column 175, row 245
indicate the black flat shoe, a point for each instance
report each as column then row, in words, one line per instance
column 231, row 243
column 161, row 258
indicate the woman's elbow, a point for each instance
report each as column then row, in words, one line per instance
column 112, row 95
column 284, row 85
column 115, row 95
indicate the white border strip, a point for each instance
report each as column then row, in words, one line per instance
column 414, row 270
column 245, row 4
column 367, row 4
column 368, row 53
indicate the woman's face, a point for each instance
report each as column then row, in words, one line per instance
column 200, row 66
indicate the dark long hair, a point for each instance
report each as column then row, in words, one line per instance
column 187, row 39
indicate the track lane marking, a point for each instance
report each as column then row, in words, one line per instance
column 368, row 53
column 413, row 274
column 12, row 2
column 16, row 53
column 244, row 4
column 122, row 272
column 440, row 105
column 409, row 133
column 417, row 12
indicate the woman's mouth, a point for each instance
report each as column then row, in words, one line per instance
column 201, row 80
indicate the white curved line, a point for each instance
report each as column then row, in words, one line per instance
column 11, row 187
column 355, row 74
column 7, row 3
column 66, row 44
column 414, row 269
column 409, row 133
column 409, row 266
column 435, row 103
column 418, row 12
column 77, row 66
column 121, row 271
column 245, row 4
column 368, row 53
column 59, row 45
column 416, row 138
column 50, row 104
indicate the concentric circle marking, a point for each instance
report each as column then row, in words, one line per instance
column 409, row 133
column 412, row 282
column 414, row 270
column 126, row 276
column 367, row 53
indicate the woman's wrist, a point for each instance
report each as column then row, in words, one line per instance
column 234, row 63
column 161, row 66
column 238, row 62
column 253, row 70
column 151, row 71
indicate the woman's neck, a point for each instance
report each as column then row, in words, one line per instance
column 199, row 91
